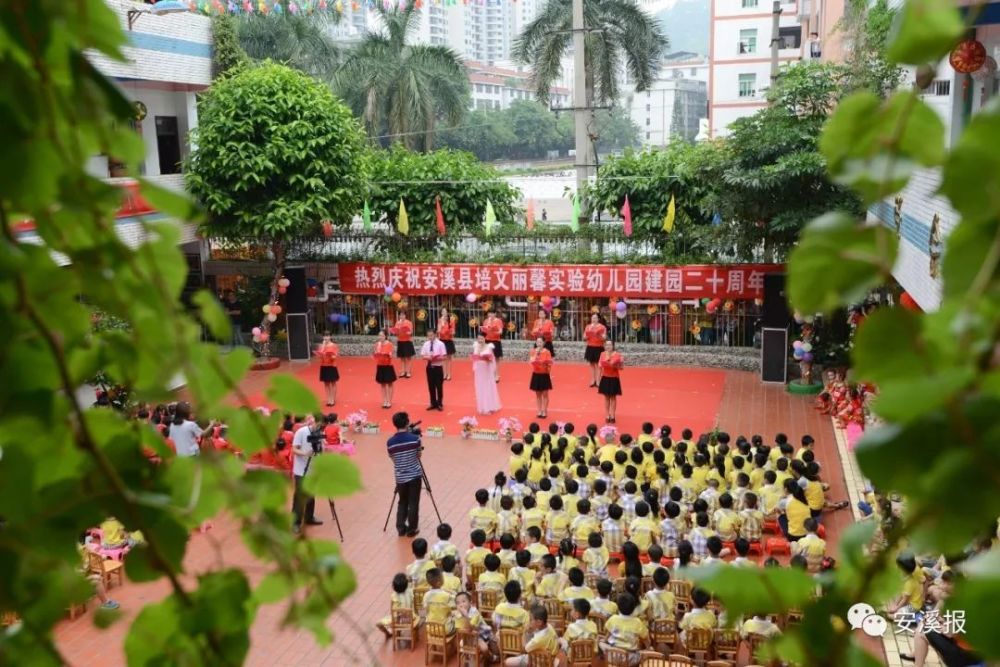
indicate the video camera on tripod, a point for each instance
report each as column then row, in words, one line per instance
column 415, row 429
column 316, row 440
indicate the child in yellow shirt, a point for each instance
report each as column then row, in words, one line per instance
column 507, row 554
column 507, row 520
column 596, row 556
column 550, row 582
column 438, row 603
column 478, row 553
column 602, row 604
column 443, row 547
column 531, row 515
column 539, row 638
column 401, row 598
column 581, row 626
column 576, row 588
column 699, row 616
column 451, row 583
column 567, row 555
column 570, row 498
column 643, row 531
column 509, row 614
column 557, row 522
column 727, row 521
column 661, row 600
column 534, row 545
column 492, row 579
column 523, row 574
column 585, row 523
column 536, row 468
column 625, row 630
column 417, row 570
column 482, row 517
column 517, row 458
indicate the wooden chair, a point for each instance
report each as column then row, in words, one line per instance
column 646, row 585
column 756, row 641
column 557, row 614
column 681, row 607
column 616, row 657
column 590, row 581
column 793, row 617
column 505, row 569
column 680, row 588
column 698, row 642
column 618, row 587
column 468, row 649
column 654, row 659
column 511, row 643
column 599, row 620
column 541, row 658
column 77, row 610
column 663, row 633
column 582, row 652
column 418, row 597
column 486, row 602
column 472, row 576
column 721, row 663
column 439, row 643
column 727, row 644
column 403, row 628
column 676, row 660
column 106, row 569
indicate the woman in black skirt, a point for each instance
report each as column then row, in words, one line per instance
column 541, row 380
column 328, row 373
column 385, row 374
column 595, row 334
column 610, row 386
column 403, row 331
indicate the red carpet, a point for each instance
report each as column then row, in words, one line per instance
column 680, row 396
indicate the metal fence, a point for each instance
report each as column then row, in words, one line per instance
column 736, row 323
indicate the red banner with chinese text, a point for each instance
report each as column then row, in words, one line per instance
column 726, row 281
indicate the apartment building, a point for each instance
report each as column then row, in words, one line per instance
column 497, row 87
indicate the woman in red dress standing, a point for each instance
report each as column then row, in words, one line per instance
column 541, row 380
column 544, row 329
column 403, row 331
column 446, row 333
column 595, row 334
column 328, row 373
column 610, row 386
column 385, row 374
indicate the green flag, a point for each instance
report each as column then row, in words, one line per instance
column 574, row 223
column 366, row 216
column 491, row 218
column 404, row 220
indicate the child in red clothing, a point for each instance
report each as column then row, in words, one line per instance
column 332, row 429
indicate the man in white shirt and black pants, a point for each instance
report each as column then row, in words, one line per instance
column 434, row 352
column 303, row 451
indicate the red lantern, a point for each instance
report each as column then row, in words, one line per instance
column 327, row 228
column 908, row 302
column 968, row 56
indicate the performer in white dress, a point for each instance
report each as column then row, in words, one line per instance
column 484, row 376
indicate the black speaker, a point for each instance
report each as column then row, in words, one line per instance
column 298, row 336
column 774, row 355
column 775, row 312
column 295, row 296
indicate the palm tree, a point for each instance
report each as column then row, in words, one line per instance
column 621, row 35
column 302, row 42
column 401, row 90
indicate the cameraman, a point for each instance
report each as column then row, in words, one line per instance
column 404, row 450
column 304, row 447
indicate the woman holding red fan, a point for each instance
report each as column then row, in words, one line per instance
column 328, row 373
column 610, row 387
column 385, row 374
column 541, row 380
column 595, row 334
column 545, row 330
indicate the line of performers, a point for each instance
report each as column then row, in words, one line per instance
column 487, row 354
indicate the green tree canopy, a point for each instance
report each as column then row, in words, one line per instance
column 301, row 41
column 276, row 154
column 403, row 90
column 227, row 53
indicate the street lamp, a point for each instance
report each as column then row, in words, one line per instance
column 157, row 9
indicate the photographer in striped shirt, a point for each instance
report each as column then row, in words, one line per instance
column 404, row 449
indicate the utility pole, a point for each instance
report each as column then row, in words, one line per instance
column 584, row 147
column 775, row 40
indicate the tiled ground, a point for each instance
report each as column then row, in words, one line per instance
column 455, row 468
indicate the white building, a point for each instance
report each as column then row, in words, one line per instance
column 740, row 56
column 675, row 102
column 489, row 30
column 925, row 219
column 496, row 87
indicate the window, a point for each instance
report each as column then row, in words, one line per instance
column 647, row 122
column 647, row 136
column 748, row 85
column 647, row 107
column 694, row 71
column 940, row 87
column 749, row 4
column 168, row 144
column 748, row 41
column 791, row 37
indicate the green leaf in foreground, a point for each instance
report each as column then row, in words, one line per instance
column 747, row 590
column 924, row 31
column 332, row 476
column 292, row 395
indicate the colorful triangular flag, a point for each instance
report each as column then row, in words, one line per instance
column 574, row 222
column 490, row 219
column 529, row 215
column 440, row 217
column 668, row 219
column 404, row 220
column 366, row 217
column 627, row 216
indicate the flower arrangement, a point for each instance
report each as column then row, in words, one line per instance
column 468, row 423
column 651, row 310
column 484, row 434
column 674, row 309
column 636, row 325
column 370, row 427
column 473, row 322
column 434, row 431
column 608, row 433
column 556, row 314
column 509, row 426
column 729, row 305
column 421, row 315
column 372, row 323
column 357, row 420
column 511, row 327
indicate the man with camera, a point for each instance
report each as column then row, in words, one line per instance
column 404, row 449
column 306, row 443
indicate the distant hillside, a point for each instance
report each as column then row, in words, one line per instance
column 687, row 25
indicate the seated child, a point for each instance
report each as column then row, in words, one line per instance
column 557, row 522
column 759, row 624
column 550, row 582
column 699, row 535
column 517, row 459
column 417, row 570
column 452, row 583
column 478, row 553
column 596, row 556
column 812, row 546
column 523, row 574
column 507, row 520
column 625, row 630
column 534, row 543
column 567, row 555
column 468, row 618
column 643, row 530
column 711, row 494
column 506, row 552
column 401, row 598
column 661, row 600
column 482, row 517
column 671, row 529
column 715, row 551
column 438, row 603
column 603, row 604
column 570, row 498
column 519, row 489
column 742, row 546
column 114, row 535
column 628, row 500
column 492, row 579
column 497, row 491
column 510, row 613
column 613, row 529
column 699, row 616
column 443, row 547
column 655, row 554
column 727, row 521
column 751, row 518
column 540, row 637
column 531, row 515
column 585, row 523
column 576, row 588
column 599, row 500
column 581, row 627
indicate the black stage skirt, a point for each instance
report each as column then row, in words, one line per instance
column 593, row 354
column 328, row 374
column 385, row 374
column 610, row 387
column 540, row 382
column 449, row 346
column 405, row 349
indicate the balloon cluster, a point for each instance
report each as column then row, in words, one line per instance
column 339, row 318
column 259, row 335
column 802, row 351
column 272, row 311
column 283, row 284
column 621, row 310
column 471, row 297
column 711, row 305
column 800, row 319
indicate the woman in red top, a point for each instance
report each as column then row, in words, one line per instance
column 544, row 329
column 446, row 333
column 541, row 381
column 331, row 430
column 610, row 386
column 385, row 374
column 595, row 334
column 328, row 373
column 403, row 331
column 492, row 328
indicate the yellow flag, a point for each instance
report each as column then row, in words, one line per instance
column 404, row 221
column 668, row 219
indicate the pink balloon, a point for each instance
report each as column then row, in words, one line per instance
column 263, row 337
column 470, row 297
column 255, row 331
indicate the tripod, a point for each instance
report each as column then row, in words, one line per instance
column 301, row 505
column 395, row 494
